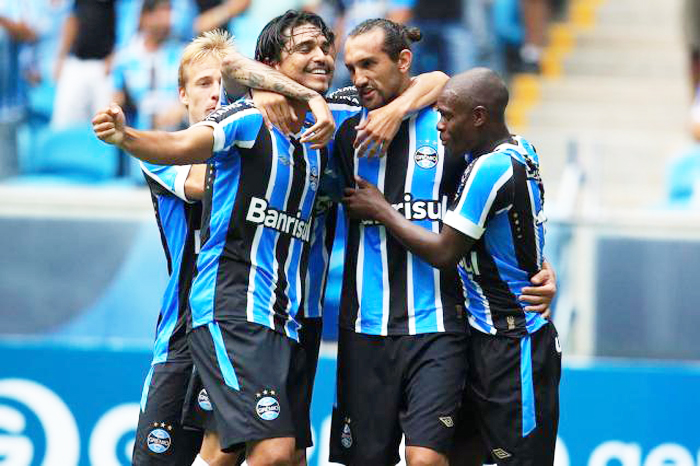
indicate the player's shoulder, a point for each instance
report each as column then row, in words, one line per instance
column 520, row 149
column 238, row 110
column 498, row 160
column 347, row 96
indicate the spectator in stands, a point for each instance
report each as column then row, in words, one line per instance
column 447, row 43
column 246, row 26
column 215, row 14
column 16, row 31
column 691, row 19
column 145, row 73
column 535, row 15
column 84, row 61
column 479, row 20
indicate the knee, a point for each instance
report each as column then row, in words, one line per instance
column 420, row 456
column 272, row 452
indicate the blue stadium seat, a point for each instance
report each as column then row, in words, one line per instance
column 73, row 153
column 684, row 178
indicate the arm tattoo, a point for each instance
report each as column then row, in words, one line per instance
column 258, row 76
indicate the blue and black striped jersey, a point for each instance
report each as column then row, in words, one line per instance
column 343, row 104
column 386, row 289
column 256, row 226
column 499, row 204
column 178, row 221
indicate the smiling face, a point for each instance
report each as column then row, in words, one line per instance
column 200, row 93
column 308, row 58
column 377, row 77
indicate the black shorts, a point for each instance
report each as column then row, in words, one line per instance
column 198, row 410
column 301, row 377
column 391, row 385
column 244, row 368
column 160, row 437
column 514, row 383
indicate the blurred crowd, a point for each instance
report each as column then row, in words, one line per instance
column 61, row 60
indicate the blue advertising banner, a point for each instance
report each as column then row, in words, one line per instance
column 64, row 406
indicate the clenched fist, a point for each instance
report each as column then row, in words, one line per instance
column 109, row 123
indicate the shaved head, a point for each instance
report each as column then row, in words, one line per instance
column 472, row 108
column 479, row 87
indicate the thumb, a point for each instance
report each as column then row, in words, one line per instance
column 361, row 183
column 362, row 125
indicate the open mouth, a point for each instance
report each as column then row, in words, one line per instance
column 319, row 72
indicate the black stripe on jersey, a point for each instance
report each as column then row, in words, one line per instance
column 156, row 189
column 282, row 251
column 206, row 202
column 522, row 221
column 397, row 256
column 497, row 293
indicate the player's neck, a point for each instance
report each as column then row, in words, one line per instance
column 493, row 138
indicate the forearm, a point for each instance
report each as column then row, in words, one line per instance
column 18, row 30
column 70, row 31
column 423, row 91
column 238, row 70
column 169, row 148
column 420, row 241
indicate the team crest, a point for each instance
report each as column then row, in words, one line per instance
column 159, row 439
column 346, row 434
column 203, row 400
column 267, row 407
column 426, row 157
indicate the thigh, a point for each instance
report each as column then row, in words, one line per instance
column 197, row 412
column 365, row 427
column 301, row 378
column 436, row 368
column 244, row 368
column 160, row 437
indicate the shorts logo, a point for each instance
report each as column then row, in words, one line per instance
column 203, row 400
column 501, row 454
column 447, row 420
column 267, row 407
column 346, row 434
column 426, row 157
column 159, row 440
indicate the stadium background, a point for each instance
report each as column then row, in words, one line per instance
column 608, row 103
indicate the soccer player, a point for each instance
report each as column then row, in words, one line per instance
column 260, row 190
column 494, row 232
column 402, row 353
column 176, row 192
column 343, row 104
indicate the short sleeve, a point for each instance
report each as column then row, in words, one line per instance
column 171, row 178
column 484, row 189
column 234, row 125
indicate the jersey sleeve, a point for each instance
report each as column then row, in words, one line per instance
column 234, row 125
column 171, row 178
column 484, row 189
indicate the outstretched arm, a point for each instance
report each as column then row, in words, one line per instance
column 442, row 250
column 237, row 70
column 193, row 145
column 375, row 133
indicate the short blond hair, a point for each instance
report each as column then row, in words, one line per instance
column 217, row 43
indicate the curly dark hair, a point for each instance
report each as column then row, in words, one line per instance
column 274, row 36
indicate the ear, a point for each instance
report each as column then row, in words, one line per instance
column 405, row 59
column 183, row 96
column 480, row 115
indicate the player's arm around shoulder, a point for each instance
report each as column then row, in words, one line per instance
column 192, row 145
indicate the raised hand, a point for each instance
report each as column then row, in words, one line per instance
column 108, row 125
